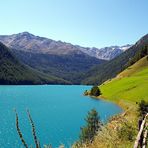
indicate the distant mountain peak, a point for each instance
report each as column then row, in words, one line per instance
column 25, row 33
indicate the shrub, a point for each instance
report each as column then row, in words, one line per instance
column 93, row 124
column 95, row 91
column 127, row 132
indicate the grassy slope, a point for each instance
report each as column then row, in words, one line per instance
column 126, row 89
column 130, row 85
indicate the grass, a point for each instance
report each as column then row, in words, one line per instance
column 131, row 85
column 127, row 89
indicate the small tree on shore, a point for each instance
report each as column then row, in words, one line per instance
column 93, row 124
column 95, row 91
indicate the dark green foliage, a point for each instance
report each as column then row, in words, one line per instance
column 93, row 125
column 69, row 67
column 142, row 53
column 13, row 72
column 95, row 91
column 110, row 69
column 127, row 132
column 143, row 108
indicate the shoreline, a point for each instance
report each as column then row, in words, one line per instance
column 120, row 103
column 117, row 123
column 128, row 108
column 105, row 99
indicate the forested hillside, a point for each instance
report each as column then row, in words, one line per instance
column 108, row 70
column 13, row 72
column 70, row 67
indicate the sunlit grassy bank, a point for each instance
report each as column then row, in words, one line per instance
column 127, row 90
column 130, row 85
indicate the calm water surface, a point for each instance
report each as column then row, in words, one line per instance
column 58, row 113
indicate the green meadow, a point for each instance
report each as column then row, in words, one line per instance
column 127, row 89
column 130, row 85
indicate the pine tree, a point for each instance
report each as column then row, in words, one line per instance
column 93, row 125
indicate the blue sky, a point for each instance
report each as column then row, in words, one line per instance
column 93, row 23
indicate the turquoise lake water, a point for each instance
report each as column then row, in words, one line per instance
column 57, row 111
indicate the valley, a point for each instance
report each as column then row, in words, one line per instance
column 74, row 74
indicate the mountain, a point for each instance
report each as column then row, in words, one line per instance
column 69, row 67
column 14, row 72
column 30, row 43
column 106, row 53
column 56, row 58
column 110, row 69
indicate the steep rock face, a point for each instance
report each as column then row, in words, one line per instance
column 30, row 43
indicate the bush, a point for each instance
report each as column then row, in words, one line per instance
column 93, row 124
column 95, row 91
column 127, row 132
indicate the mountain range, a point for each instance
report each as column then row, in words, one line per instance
column 63, row 63
column 30, row 43
column 110, row 69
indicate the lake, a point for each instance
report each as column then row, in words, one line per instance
column 58, row 112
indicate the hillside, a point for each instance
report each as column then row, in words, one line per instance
column 127, row 89
column 69, row 67
column 131, row 84
column 13, row 72
column 110, row 69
